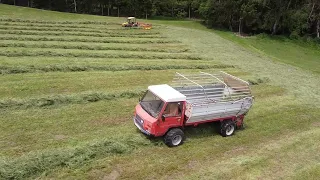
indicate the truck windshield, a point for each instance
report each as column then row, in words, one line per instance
column 151, row 104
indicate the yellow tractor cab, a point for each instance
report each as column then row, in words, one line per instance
column 131, row 22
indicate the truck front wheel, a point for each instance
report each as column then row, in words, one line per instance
column 174, row 137
column 227, row 128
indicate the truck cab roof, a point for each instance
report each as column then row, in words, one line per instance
column 167, row 93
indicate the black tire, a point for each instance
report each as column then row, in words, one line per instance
column 228, row 128
column 174, row 137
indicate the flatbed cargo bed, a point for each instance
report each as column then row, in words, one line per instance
column 213, row 96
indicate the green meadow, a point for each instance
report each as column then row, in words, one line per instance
column 70, row 82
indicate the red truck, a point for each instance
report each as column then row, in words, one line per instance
column 191, row 100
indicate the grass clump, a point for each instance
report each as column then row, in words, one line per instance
column 34, row 164
column 67, row 99
column 258, row 81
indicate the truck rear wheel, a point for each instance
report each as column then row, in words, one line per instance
column 174, row 137
column 227, row 128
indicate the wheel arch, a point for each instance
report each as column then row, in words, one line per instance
column 173, row 127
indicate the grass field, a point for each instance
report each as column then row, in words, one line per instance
column 69, row 84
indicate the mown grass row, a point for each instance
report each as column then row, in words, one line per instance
column 48, row 53
column 131, row 41
column 92, row 47
column 52, row 33
column 58, row 22
column 36, row 28
column 74, row 68
column 34, row 164
column 64, row 26
column 67, row 99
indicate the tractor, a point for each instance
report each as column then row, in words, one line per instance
column 131, row 22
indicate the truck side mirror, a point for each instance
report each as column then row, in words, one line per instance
column 163, row 118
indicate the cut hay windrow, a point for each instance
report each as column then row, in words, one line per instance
column 58, row 22
column 30, row 165
column 131, row 41
column 92, row 47
column 134, row 32
column 48, row 53
column 63, row 26
column 52, row 33
column 74, row 68
column 86, row 97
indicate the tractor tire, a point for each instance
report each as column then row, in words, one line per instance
column 227, row 128
column 174, row 137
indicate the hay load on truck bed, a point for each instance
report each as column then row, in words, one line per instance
column 191, row 100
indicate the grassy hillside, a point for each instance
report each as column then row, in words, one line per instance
column 278, row 48
column 294, row 52
column 70, row 83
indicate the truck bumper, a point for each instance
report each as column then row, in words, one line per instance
column 141, row 128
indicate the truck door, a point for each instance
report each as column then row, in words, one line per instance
column 171, row 117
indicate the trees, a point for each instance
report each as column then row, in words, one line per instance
column 75, row 5
column 314, row 16
column 295, row 17
column 270, row 16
